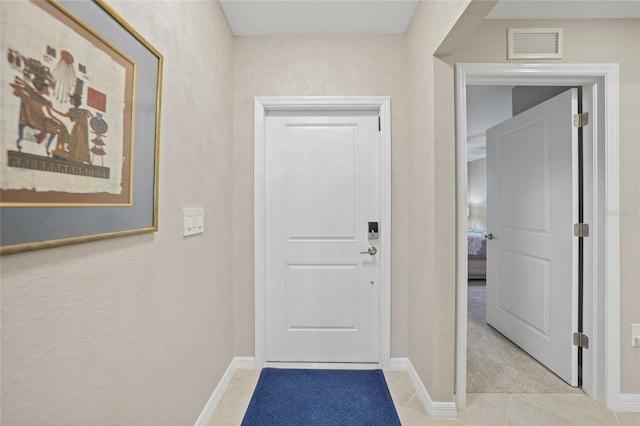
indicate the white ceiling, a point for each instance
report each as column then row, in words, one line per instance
column 299, row 17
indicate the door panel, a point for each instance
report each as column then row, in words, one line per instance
column 322, row 188
column 321, row 181
column 526, row 298
column 531, row 207
column 322, row 297
column 529, row 162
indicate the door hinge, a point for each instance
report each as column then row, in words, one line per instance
column 580, row 229
column 379, row 125
column 581, row 120
column 581, row 340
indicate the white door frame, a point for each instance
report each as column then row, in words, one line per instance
column 602, row 313
column 262, row 105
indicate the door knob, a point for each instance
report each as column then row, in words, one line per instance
column 371, row 251
column 490, row 236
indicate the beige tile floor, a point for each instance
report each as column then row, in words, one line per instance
column 482, row 409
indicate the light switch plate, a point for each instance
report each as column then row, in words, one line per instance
column 193, row 221
column 635, row 334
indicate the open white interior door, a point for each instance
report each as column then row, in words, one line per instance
column 532, row 255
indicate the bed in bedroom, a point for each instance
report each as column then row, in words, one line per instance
column 477, row 247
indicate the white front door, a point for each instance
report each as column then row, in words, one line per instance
column 323, row 187
column 532, row 205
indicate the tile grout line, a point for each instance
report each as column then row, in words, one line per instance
column 506, row 414
column 413, row 395
column 230, row 412
column 617, row 418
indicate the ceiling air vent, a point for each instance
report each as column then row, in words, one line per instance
column 534, row 43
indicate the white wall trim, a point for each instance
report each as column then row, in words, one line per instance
column 324, row 365
column 436, row 410
column 398, row 364
column 607, row 307
column 237, row 363
column 381, row 104
column 244, row 363
column 629, row 402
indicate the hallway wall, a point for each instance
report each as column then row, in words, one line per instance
column 369, row 65
column 137, row 330
column 432, row 201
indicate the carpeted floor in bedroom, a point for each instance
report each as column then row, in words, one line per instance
column 497, row 365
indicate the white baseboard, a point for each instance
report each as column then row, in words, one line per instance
column 629, row 402
column 436, row 410
column 324, row 365
column 398, row 364
column 237, row 363
column 244, row 363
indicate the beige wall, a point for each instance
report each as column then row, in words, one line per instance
column 432, row 201
column 317, row 66
column 602, row 41
column 136, row 330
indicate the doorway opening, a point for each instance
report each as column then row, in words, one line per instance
column 601, row 252
column 497, row 355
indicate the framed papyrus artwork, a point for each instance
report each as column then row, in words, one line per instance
column 80, row 104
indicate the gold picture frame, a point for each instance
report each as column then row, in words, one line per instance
column 80, row 119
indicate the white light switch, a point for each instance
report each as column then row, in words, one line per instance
column 193, row 221
column 635, row 334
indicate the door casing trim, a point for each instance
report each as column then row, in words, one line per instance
column 604, row 320
column 262, row 105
